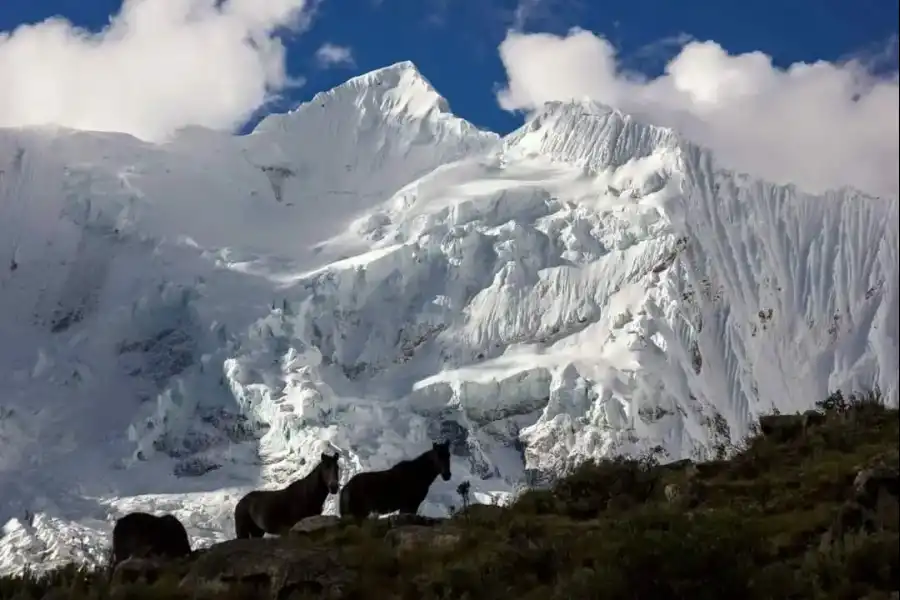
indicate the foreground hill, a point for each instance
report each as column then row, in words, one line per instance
column 806, row 509
column 183, row 322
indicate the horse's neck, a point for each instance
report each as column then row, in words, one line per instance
column 422, row 466
column 309, row 482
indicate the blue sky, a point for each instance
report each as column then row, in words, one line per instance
column 454, row 42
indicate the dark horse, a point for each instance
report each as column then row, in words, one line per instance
column 402, row 488
column 140, row 534
column 276, row 511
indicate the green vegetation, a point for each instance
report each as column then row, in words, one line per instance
column 784, row 517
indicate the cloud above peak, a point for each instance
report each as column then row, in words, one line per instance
column 820, row 125
column 158, row 66
column 331, row 55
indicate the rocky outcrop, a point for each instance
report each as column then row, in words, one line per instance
column 277, row 566
column 874, row 505
column 783, row 428
column 280, row 567
column 143, row 570
column 316, row 523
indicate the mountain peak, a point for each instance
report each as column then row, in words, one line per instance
column 388, row 111
column 395, row 70
column 588, row 131
column 401, row 87
column 398, row 90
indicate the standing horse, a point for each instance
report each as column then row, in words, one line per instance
column 276, row 511
column 402, row 488
column 142, row 534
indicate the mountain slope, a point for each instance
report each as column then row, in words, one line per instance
column 369, row 272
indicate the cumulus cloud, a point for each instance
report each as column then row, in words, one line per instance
column 159, row 65
column 819, row 125
column 331, row 55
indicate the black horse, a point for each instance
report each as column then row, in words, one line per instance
column 402, row 488
column 141, row 535
column 276, row 511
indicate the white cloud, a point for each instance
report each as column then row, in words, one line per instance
column 332, row 55
column 819, row 125
column 158, row 66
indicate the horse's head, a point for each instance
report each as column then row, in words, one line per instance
column 330, row 473
column 440, row 454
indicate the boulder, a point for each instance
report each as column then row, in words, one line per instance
column 811, row 419
column 781, row 428
column 132, row 570
column 874, row 505
column 310, row 524
column 673, row 493
column 683, row 495
column 871, row 481
column 276, row 567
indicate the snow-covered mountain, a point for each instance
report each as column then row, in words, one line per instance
column 183, row 322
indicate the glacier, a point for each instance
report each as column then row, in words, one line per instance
column 185, row 321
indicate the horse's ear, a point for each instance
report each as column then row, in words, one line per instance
column 434, row 445
column 325, row 457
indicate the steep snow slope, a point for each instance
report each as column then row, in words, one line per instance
column 182, row 323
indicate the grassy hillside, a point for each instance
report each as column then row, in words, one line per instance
column 784, row 517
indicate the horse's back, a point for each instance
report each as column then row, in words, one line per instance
column 248, row 498
column 243, row 510
column 380, row 492
column 176, row 537
column 139, row 531
column 136, row 524
column 135, row 520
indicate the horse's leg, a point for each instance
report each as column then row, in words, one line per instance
column 255, row 531
column 283, row 529
column 257, row 522
column 349, row 505
column 240, row 518
column 358, row 514
column 247, row 528
column 242, row 528
column 410, row 506
column 245, row 525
